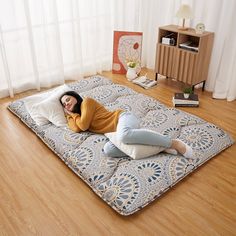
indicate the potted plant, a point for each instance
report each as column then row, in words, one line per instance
column 132, row 64
column 187, row 91
column 131, row 71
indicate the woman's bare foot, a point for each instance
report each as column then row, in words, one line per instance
column 178, row 146
column 182, row 148
column 171, row 151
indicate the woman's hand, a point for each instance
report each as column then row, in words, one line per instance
column 67, row 112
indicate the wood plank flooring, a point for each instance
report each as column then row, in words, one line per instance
column 39, row 194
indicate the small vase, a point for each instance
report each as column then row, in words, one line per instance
column 186, row 95
column 131, row 73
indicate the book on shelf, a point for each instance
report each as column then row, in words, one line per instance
column 189, row 45
column 180, row 100
column 144, row 82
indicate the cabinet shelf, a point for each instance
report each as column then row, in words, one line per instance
column 187, row 60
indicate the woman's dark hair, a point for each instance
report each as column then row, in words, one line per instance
column 79, row 99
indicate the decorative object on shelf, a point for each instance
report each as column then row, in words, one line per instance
column 127, row 46
column 187, row 91
column 169, row 39
column 200, row 28
column 184, row 12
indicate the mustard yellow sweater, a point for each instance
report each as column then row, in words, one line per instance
column 94, row 117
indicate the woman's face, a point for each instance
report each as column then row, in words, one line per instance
column 68, row 102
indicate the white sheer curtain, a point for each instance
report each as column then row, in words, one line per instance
column 45, row 42
column 30, row 46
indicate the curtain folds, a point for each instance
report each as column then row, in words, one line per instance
column 45, row 42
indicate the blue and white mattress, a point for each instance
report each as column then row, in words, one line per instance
column 129, row 185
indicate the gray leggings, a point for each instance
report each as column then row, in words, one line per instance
column 128, row 131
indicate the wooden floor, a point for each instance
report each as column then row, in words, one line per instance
column 39, row 195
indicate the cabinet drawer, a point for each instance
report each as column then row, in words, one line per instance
column 165, row 59
column 186, row 66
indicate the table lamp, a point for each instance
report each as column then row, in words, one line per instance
column 184, row 12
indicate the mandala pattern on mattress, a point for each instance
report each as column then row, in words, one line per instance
column 129, row 185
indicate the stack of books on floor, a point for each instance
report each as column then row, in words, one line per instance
column 144, row 82
column 180, row 101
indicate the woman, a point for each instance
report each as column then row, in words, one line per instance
column 89, row 115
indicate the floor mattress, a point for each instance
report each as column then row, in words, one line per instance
column 129, row 185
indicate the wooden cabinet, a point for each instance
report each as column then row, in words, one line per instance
column 188, row 64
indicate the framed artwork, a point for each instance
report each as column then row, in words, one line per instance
column 127, row 47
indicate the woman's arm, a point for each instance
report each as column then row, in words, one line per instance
column 82, row 123
column 88, row 108
column 72, row 125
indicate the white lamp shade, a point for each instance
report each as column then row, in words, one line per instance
column 184, row 12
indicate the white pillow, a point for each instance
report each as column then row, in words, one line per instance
column 44, row 109
column 136, row 151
